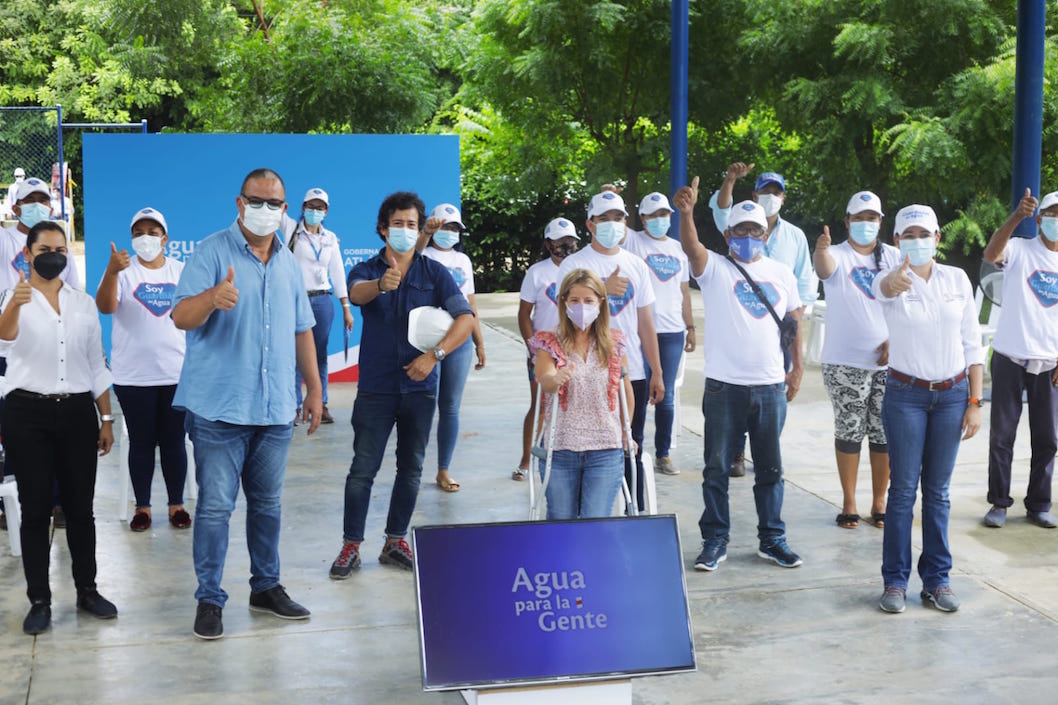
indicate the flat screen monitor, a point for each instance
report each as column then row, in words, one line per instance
column 540, row 602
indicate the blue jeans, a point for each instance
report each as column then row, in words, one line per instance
column 225, row 454
column 323, row 310
column 583, row 483
column 923, row 429
column 670, row 349
column 451, row 379
column 730, row 411
column 374, row 416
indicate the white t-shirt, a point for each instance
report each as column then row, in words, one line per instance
column 855, row 322
column 458, row 264
column 741, row 339
column 540, row 288
column 624, row 311
column 147, row 349
column 668, row 269
column 933, row 330
column 320, row 257
column 12, row 259
column 1028, row 326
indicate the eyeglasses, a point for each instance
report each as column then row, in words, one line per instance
column 273, row 204
column 748, row 231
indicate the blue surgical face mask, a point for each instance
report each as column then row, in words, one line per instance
column 609, row 233
column 864, row 232
column 920, row 250
column 402, row 239
column 1049, row 227
column 445, row 239
column 314, row 217
column 33, row 213
column 658, row 228
column 745, row 248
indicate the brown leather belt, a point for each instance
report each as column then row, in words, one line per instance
column 938, row 386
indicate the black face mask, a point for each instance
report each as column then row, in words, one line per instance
column 561, row 251
column 49, row 264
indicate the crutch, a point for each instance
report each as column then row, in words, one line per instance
column 542, row 450
column 631, row 500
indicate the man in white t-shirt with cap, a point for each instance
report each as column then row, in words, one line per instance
column 32, row 205
column 746, row 384
column 538, row 310
column 12, row 192
column 1025, row 360
column 631, row 298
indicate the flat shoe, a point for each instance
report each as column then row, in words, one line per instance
column 878, row 520
column 448, row 485
column 848, row 521
column 519, row 474
column 180, row 519
column 141, row 521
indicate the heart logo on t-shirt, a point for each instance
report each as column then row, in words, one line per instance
column 618, row 303
column 1045, row 286
column 552, row 293
column 863, row 278
column 21, row 264
column 665, row 267
column 155, row 297
column 751, row 302
column 458, row 275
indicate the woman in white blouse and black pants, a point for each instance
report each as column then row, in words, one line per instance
column 57, row 378
column 932, row 398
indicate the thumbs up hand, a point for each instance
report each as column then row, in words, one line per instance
column 119, row 259
column 616, row 285
column 1027, row 205
column 391, row 279
column 899, row 280
column 23, row 292
column 686, row 197
column 225, row 295
column 824, row 240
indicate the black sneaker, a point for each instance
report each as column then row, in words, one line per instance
column 38, row 619
column 277, row 602
column 95, row 604
column 397, row 552
column 347, row 561
column 714, row 552
column 778, row 552
column 208, row 624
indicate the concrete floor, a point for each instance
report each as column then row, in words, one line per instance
column 763, row 634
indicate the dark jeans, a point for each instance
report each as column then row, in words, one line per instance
column 374, row 416
column 154, row 423
column 323, row 311
column 1008, row 381
column 45, row 440
column 730, row 411
column 641, row 391
column 670, row 349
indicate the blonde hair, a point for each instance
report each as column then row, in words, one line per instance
column 600, row 328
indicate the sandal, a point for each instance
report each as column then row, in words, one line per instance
column 448, row 484
column 848, row 521
column 519, row 474
column 878, row 520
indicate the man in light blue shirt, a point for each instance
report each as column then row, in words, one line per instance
column 243, row 303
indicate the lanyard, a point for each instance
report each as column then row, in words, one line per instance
column 315, row 250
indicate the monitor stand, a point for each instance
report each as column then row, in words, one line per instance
column 615, row 692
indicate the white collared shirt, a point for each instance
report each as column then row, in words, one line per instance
column 56, row 353
column 320, row 257
column 933, row 330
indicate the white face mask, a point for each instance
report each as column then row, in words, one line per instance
column 771, row 204
column 262, row 221
column 148, row 247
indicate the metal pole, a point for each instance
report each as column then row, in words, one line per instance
column 143, row 123
column 1028, row 108
column 62, row 172
column 678, row 120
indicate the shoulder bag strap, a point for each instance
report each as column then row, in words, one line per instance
column 756, row 290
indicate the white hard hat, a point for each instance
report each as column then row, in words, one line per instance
column 427, row 326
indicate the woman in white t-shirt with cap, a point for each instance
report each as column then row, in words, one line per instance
column 319, row 254
column 856, row 350
column 443, row 229
column 932, row 398
column 538, row 310
column 147, row 353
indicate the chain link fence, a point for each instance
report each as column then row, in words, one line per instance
column 30, row 141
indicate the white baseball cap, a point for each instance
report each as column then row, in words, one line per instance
column 560, row 228
column 747, row 212
column 316, row 194
column 448, row 213
column 19, row 171
column 32, row 185
column 654, row 202
column 427, row 327
column 605, row 202
column 915, row 214
column 149, row 213
column 1049, row 200
column 864, row 201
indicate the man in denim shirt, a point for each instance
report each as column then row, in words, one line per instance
column 398, row 384
column 243, row 303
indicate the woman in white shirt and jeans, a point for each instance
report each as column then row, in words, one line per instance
column 932, row 396
column 57, row 378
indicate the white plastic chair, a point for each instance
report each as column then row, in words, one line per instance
column 816, row 332
column 13, row 512
column 988, row 328
column 677, row 419
column 121, row 448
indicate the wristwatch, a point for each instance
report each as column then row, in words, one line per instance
column 106, row 417
column 976, row 402
column 439, row 353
